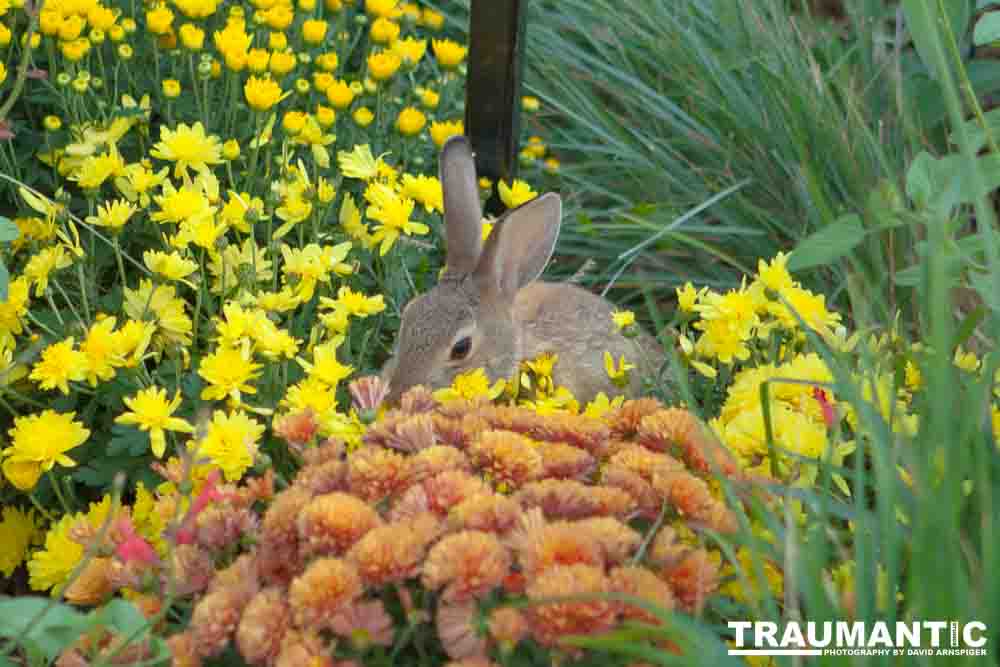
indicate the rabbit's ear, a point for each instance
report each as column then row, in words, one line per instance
column 463, row 214
column 521, row 245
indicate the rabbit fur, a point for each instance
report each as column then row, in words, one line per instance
column 488, row 311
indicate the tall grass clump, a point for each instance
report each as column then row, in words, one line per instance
column 673, row 103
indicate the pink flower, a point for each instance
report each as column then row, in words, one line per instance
column 209, row 492
column 829, row 413
column 134, row 548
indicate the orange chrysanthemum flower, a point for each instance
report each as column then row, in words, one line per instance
column 458, row 630
column 569, row 499
column 93, row 585
column 374, row 473
column 618, row 541
column 467, row 565
column 564, row 461
column 693, row 500
column 215, row 619
column 278, row 555
column 321, row 478
column 624, row 421
column 300, row 647
column 553, row 621
column 641, row 583
column 508, row 458
column 327, row 587
column 364, row 624
column 693, row 579
column 507, row 626
column 297, row 429
column 265, row 621
column 645, row 497
column 388, row 554
column 679, row 430
column 330, row 524
column 436, row 460
column 541, row 546
column 488, row 512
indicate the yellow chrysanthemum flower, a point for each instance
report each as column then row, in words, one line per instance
column 425, row 190
column 39, row 442
column 188, row 146
column 410, row 121
column 410, row 50
column 392, row 212
column 263, row 94
column 383, row 65
column 353, row 303
column 619, row 373
column 448, row 53
column 623, row 318
column 150, row 411
column 441, row 131
column 324, row 366
column 169, row 265
column 102, row 351
column 231, row 443
column 17, row 530
column 515, row 194
column 59, row 365
column 112, row 214
column 471, row 385
column 228, row 372
column 51, row 566
column 358, row 162
column 160, row 305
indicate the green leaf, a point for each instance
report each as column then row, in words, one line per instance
column 987, row 29
column 100, row 471
column 60, row 626
column 828, row 244
column 921, row 20
column 121, row 615
column 969, row 325
column 920, row 185
column 8, row 230
column 127, row 439
column 975, row 131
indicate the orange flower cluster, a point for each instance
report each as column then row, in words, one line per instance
column 470, row 501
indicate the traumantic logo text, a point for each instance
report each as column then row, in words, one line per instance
column 937, row 638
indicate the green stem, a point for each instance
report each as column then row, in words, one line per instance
column 7, row 391
column 83, row 290
column 69, row 303
column 59, row 493
column 41, row 509
column 22, row 67
column 765, row 404
column 198, row 301
column 119, row 261
column 38, row 323
column 52, row 304
column 970, row 93
column 255, row 155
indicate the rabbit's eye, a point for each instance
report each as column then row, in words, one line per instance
column 460, row 350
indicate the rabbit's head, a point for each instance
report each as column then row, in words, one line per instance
column 466, row 321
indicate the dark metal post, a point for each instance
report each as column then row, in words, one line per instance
column 493, row 88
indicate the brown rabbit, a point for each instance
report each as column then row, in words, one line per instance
column 487, row 311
